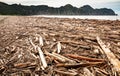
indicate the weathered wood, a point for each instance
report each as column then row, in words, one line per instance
column 42, row 57
column 111, row 57
column 77, row 65
column 59, row 47
column 66, row 73
column 85, row 58
column 41, row 41
column 87, row 72
column 24, row 65
column 59, row 57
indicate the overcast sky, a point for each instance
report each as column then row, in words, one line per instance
column 113, row 4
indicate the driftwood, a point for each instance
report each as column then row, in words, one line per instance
column 66, row 73
column 32, row 44
column 59, row 47
column 42, row 58
column 102, row 71
column 59, row 57
column 85, row 58
column 41, row 41
column 111, row 57
column 23, row 50
column 24, row 65
column 77, row 65
column 73, row 43
column 41, row 55
column 87, row 72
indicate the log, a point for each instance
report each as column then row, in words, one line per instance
column 59, row 47
column 110, row 55
column 41, row 41
column 42, row 57
column 85, row 58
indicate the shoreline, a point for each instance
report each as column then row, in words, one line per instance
column 89, row 17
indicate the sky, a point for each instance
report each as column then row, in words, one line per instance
column 113, row 4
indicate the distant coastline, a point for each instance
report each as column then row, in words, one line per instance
column 18, row 9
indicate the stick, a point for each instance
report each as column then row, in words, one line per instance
column 111, row 57
column 102, row 71
column 59, row 47
column 42, row 57
column 66, row 73
column 85, row 58
column 32, row 44
column 77, row 65
column 40, row 41
column 73, row 43
column 55, row 57
column 23, row 65
column 66, row 59
column 59, row 57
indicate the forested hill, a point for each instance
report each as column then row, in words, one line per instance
column 68, row 9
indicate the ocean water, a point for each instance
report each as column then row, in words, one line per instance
column 82, row 17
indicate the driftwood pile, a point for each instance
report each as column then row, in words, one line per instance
column 59, row 47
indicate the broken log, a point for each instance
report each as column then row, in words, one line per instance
column 85, row 58
column 77, row 65
column 42, row 57
column 111, row 57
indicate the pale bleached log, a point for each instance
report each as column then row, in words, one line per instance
column 59, row 47
column 110, row 55
column 42, row 57
column 41, row 41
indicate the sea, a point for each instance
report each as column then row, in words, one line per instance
column 104, row 17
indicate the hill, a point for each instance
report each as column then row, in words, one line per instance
column 18, row 9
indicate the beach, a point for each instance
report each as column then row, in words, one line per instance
column 62, row 41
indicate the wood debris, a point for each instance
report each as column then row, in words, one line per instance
column 42, row 57
column 111, row 57
column 59, row 47
column 38, row 46
column 85, row 58
column 77, row 65
column 66, row 73
column 87, row 72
